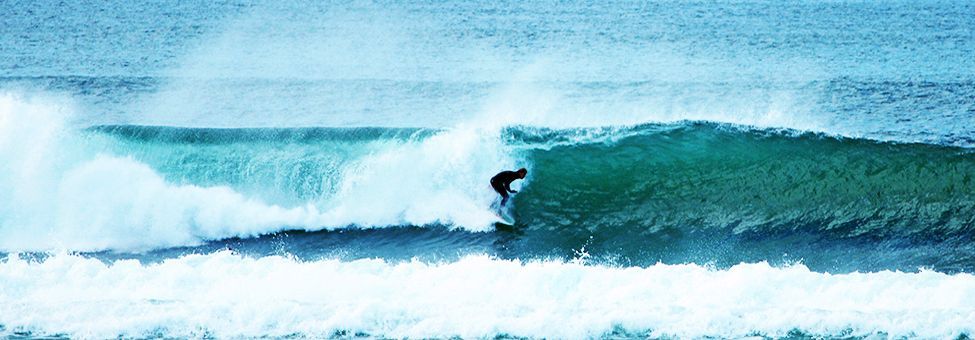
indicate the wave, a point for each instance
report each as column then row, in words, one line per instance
column 654, row 177
column 226, row 295
column 132, row 187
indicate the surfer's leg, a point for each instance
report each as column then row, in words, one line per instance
column 500, row 190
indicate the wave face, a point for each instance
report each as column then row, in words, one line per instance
column 646, row 191
column 692, row 177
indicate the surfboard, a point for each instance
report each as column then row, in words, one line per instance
column 504, row 220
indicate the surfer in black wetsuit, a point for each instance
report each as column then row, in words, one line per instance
column 502, row 182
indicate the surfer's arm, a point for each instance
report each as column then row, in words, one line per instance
column 507, row 186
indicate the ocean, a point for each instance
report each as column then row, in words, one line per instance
column 268, row 169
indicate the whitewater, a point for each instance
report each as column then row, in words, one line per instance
column 264, row 169
column 214, row 296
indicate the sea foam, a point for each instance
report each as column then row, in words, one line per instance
column 226, row 295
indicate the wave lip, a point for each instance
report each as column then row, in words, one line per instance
column 226, row 295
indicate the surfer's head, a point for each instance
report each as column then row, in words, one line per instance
column 523, row 172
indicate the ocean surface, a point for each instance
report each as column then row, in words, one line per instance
column 726, row 169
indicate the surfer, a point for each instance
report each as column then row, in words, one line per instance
column 502, row 182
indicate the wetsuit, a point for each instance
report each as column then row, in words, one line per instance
column 502, row 183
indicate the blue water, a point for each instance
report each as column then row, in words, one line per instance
column 696, row 169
